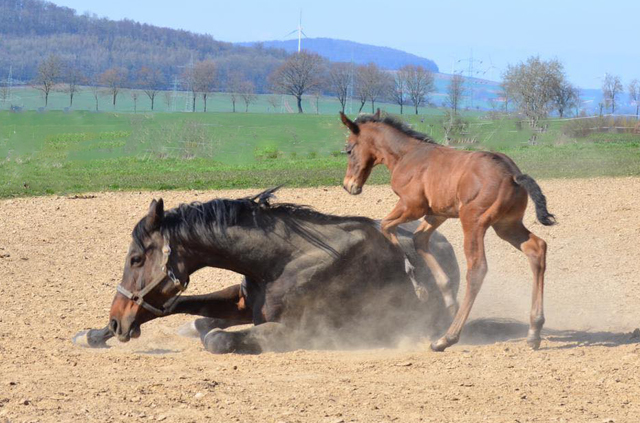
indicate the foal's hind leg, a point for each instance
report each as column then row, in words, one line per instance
column 421, row 238
column 535, row 249
column 474, row 233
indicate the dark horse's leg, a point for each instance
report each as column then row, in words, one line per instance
column 221, row 309
column 225, row 308
column 421, row 238
column 270, row 336
column 535, row 249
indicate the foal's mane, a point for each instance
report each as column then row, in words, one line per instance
column 395, row 124
column 199, row 220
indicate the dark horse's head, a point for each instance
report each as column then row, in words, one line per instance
column 153, row 274
column 362, row 158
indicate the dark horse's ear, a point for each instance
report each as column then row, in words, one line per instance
column 155, row 215
column 377, row 115
column 353, row 127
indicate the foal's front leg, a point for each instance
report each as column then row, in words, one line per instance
column 388, row 226
column 421, row 238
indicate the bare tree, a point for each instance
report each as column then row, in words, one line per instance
column 189, row 83
column 5, row 91
column 96, row 91
column 611, row 89
column 565, row 97
column 151, row 81
column 531, row 85
column 247, row 92
column 234, row 84
column 114, row 80
column 506, row 95
column 168, row 99
column 47, row 77
column 634, row 94
column 340, row 78
column 373, row 84
column 204, row 78
column 298, row 75
column 399, row 89
column 73, row 79
column 361, row 87
column 420, row 82
column 135, row 95
column 274, row 101
column 455, row 92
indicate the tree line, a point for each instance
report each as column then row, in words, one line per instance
column 301, row 74
column 539, row 87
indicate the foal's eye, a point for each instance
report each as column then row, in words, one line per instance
column 136, row 260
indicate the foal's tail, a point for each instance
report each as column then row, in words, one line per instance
column 532, row 187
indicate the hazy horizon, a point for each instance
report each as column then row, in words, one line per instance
column 589, row 42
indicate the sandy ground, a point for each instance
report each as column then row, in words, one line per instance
column 61, row 259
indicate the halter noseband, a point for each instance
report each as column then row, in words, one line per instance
column 138, row 297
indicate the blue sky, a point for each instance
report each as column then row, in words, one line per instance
column 589, row 38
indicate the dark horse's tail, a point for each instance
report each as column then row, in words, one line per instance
column 532, row 187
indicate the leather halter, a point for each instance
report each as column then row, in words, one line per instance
column 138, row 297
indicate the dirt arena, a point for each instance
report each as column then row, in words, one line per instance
column 61, row 258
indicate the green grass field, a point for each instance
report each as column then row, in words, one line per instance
column 65, row 153
column 31, row 99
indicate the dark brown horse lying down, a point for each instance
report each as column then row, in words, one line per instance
column 311, row 280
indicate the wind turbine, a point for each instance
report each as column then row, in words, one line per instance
column 299, row 31
column 491, row 68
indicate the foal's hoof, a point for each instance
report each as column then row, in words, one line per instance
column 440, row 345
column 219, row 342
column 534, row 343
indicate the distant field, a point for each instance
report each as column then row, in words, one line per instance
column 56, row 152
column 31, row 99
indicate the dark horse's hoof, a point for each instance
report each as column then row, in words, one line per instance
column 219, row 342
column 93, row 338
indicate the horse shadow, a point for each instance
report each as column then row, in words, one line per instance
column 490, row 331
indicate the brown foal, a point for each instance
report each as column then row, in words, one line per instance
column 436, row 182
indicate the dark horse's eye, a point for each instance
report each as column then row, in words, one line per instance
column 136, row 260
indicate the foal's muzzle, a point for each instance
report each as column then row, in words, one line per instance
column 352, row 187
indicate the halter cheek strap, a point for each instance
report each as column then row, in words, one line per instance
column 138, row 297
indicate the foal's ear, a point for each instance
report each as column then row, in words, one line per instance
column 377, row 115
column 155, row 215
column 353, row 127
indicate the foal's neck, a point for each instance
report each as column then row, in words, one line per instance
column 391, row 146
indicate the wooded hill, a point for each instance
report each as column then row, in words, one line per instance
column 30, row 30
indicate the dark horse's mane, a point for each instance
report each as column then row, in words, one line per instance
column 395, row 124
column 199, row 220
